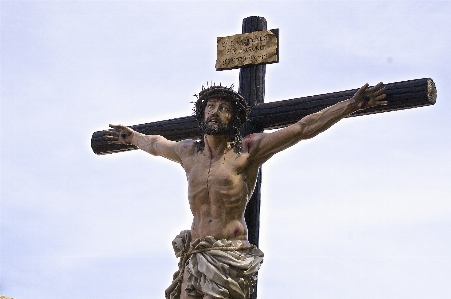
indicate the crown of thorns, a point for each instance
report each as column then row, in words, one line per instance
column 223, row 92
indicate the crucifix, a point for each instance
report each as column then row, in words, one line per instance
column 396, row 96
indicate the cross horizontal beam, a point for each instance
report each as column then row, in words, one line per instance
column 400, row 95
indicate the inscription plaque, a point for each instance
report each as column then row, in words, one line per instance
column 249, row 48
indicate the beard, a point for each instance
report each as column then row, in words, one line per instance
column 217, row 129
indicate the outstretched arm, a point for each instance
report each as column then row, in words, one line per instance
column 365, row 97
column 313, row 124
column 153, row 144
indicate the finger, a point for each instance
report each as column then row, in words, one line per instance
column 122, row 128
column 111, row 137
column 361, row 92
column 377, row 86
column 373, row 89
column 382, row 103
column 114, row 142
column 380, row 97
column 363, row 88
column 111, row 133
column 116, row 127
column 379, row 92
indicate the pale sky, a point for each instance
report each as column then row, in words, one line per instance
column 361, row 211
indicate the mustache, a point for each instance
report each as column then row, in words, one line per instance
column 215, row 118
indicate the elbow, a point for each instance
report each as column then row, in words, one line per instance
column 307, row 131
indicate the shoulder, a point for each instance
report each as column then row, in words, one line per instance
column 262, row 146
column 186, row 147
column 252, row 141
column 253, row 138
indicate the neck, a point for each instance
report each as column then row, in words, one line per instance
column 216, row 144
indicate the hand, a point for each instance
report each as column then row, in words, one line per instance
column 369, row 97
column 119, row 135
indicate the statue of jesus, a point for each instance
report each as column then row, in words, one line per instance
column 216, row 259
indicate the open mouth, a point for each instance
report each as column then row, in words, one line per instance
column 213, row 121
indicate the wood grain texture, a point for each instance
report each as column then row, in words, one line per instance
column 400, row 95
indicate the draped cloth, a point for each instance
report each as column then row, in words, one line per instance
column 218, row 268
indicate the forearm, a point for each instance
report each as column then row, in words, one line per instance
column 316, row 123
column 145, row 142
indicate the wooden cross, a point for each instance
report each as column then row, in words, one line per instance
column 400, row 95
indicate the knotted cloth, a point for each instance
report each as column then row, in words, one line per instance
column 218, row 268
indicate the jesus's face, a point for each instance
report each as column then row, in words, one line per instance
column 217, row 116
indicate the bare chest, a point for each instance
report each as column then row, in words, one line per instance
column 212, row 180
column 225, row 170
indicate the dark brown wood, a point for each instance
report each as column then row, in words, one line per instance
column 400, row 95
column 252, row 88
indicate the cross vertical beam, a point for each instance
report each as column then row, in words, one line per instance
column 252, row 88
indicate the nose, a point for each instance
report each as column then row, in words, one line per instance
column 213, row 110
